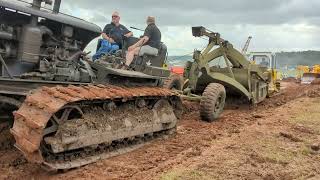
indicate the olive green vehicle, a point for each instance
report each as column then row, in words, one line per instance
column 221, row 71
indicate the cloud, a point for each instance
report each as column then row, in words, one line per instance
column 181, row 12
column 276, row 25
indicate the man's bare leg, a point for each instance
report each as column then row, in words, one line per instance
column 130, row 55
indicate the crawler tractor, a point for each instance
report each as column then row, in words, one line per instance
column 311, row 76
column 221, row 71
column 65, row 110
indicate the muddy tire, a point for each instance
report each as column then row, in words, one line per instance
column 174, row 81
column 212, row 102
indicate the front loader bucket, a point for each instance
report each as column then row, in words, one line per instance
column 307, row 78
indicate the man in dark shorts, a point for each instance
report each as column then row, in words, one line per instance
column 112, row 36
column 148, row 44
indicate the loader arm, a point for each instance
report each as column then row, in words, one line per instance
column 235, row 57
column 225, row 49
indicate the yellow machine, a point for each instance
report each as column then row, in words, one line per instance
column 267, row 60
column 311, row 75
column 301, row 70
column 316, row 69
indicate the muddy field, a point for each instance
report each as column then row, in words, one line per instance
column 279, row 139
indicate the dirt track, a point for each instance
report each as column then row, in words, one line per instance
column 279, row 139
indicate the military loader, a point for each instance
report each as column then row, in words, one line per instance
column 219, row 72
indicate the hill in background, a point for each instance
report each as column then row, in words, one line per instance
column 292, row 59
column 284, row 59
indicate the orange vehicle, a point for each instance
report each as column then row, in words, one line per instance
column 177, row 70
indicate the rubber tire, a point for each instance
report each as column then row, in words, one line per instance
column 174, row 81
column 213, row 93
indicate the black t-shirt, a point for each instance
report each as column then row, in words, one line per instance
column 154, row 35
column 116, row 32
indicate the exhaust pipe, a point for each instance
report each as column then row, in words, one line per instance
column 56, row 6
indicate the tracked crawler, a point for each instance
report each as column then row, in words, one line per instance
column 65, row 110
column 66, row 127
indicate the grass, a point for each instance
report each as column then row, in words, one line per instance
column 273, row 151
column 308, row 115
column 276, row 151
column 305, row 150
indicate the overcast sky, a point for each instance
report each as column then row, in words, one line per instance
column 276, row 25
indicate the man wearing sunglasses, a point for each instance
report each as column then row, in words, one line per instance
column 112, row 34
column 148, row 44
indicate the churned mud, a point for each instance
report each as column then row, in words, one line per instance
column 278, row 139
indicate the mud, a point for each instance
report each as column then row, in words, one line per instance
column 6, row 139
column 270, row 141
column 316, row 81
column 314, row 92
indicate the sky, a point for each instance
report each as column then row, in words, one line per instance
column 275, row 25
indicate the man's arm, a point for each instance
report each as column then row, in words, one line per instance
column 129, row 34
column 105, row 32
column 106, row 37
column 144, row 39
column 141, row 42
column 126, row 32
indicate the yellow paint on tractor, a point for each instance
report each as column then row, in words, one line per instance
column 310, row 75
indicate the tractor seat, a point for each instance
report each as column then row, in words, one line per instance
column 159, row 59
column 146, row 51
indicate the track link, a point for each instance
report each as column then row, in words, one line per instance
column 41, row 104
column 65, row 161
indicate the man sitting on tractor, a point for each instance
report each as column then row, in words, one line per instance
column 148, row 44
column 112, row 36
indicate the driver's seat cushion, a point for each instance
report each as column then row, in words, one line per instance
column 148, row 50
